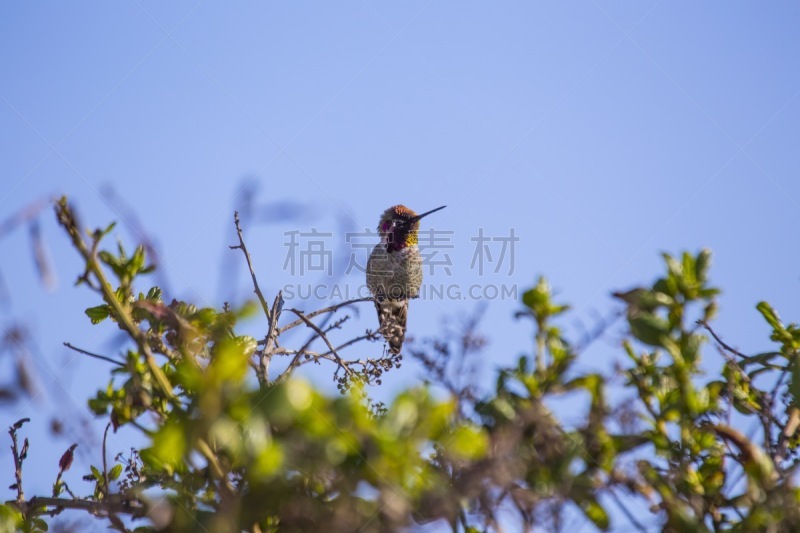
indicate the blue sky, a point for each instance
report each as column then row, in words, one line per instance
column 602, row 132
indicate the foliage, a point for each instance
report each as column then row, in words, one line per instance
column 232, row 449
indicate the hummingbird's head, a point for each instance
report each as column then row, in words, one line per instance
column 399, row 226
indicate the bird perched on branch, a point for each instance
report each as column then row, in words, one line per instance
column 394, row 271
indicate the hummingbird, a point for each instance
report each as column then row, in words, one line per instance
column 394, row 271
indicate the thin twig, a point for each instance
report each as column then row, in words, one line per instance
column 105, row 461
column 96, row 356
column 632, row 519
column 324, row 337
column 369, row 335
column 732, row 350
column 766, row 416
column 298, row 354
column 241, row 246
column 329, row 309
column 18, row 457
column 270, row 341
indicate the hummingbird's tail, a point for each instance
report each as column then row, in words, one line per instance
column 392, row 315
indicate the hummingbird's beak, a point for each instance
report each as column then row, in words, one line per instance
column 418, row 217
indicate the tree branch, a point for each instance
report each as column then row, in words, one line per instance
column 318, row 312
column 112, row 504
column 121, row 312
column 19, row 457
column 324, row 337
column 241, row 246
column 96, row 356
column 730, row 349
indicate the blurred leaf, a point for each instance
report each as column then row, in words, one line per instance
column 230, row 360
column 136, row 263
column 109, row 228
column 649, row 329
column 114, row 473
column 468, row 443
column 539, row 301
column 169, row 445
column 673, row 266
column 702, row 265
column 98, row 314
column 10, row 518
column 594, row 512
column 154, row 294
column 769, row 315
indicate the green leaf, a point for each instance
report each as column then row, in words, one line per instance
column 468, row 443
column 169, row 445
column 649, row 329
column 688, row 268
column 115, row 472
column 98, row 314
column 97, row 474
column 231, row 357
column 154, row 294
column 98, row 406
column 675, row 268
column 109, row 259
column 10, row 518
column 539, row 301
column 794, row 386
column 136, row 264
column 702, row 264
column 770, row 315
column 108, row 229
column 594, row 512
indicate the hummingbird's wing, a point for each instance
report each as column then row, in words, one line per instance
column 392, row 316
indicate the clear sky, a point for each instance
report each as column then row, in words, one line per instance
column 601, row 133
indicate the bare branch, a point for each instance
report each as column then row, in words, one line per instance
column 627, row 512
column 19, row 457
column 314, row 356
column 113, row 504
column 324, row 337
column 270, row 340
column 241, row 246
column 96, row 356
column 734, row 351
column 329, row 309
